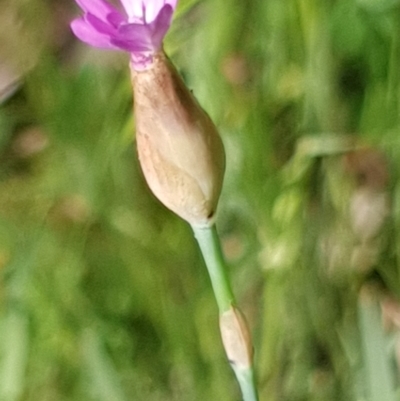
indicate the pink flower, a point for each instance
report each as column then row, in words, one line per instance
column 139, row 30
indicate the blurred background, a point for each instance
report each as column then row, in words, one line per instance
column 104, row 295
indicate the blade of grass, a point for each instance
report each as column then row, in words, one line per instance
column 378, row 373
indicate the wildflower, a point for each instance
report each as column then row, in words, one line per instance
column 180, row 151
column 139, row 29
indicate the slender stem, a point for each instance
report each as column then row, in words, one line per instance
column 209, row 243
column 208, row 240
column 247, row 384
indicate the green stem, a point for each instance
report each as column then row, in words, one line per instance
column 209, row 243
column 247, row 384
column 208, row 240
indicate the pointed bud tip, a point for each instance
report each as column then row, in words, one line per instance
column 236, row 338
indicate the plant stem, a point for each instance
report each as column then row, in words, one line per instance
column 247, row 383
column 210, row 247
column 209, row 243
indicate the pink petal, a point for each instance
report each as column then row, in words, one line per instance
column 141, row 33
column 86, row 33
column 172, row 3
column 144, row 37
column 134, row 38
column 134, row 8
column 152, row 9
column 100, row 25
column 116, row 19
column 99, row 8
column 161, row 25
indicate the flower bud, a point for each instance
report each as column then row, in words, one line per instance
column 180, row 151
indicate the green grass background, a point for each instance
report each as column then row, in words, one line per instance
column 104, row 295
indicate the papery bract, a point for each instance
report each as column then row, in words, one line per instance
column 181, row 153
column 139, row 29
